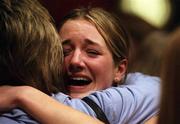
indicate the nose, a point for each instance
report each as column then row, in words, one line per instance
column 76, row 62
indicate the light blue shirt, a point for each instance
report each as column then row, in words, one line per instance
column 131, row 103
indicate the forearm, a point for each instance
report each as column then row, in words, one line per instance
column 47, row 110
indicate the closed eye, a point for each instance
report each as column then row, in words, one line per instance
column 92, row 52
column 67, row 51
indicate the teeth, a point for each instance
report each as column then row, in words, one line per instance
column 79, row 78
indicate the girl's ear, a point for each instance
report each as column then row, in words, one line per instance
column 120, row 71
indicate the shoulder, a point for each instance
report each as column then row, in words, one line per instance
column 135, row 101
column 139, row 95
column 141, row 79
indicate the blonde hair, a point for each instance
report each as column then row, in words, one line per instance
column 30, row 48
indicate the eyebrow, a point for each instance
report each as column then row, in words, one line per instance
column 88, row 42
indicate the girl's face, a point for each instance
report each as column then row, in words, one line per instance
column 88, row 63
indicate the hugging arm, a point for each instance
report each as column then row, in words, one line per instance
column 42, row 107
column 136, row 102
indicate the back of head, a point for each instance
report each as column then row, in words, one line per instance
column 30, row 49
column 170, row 101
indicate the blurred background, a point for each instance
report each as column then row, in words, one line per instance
column 156, row 12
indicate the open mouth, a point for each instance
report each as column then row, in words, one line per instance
column 78, row 81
